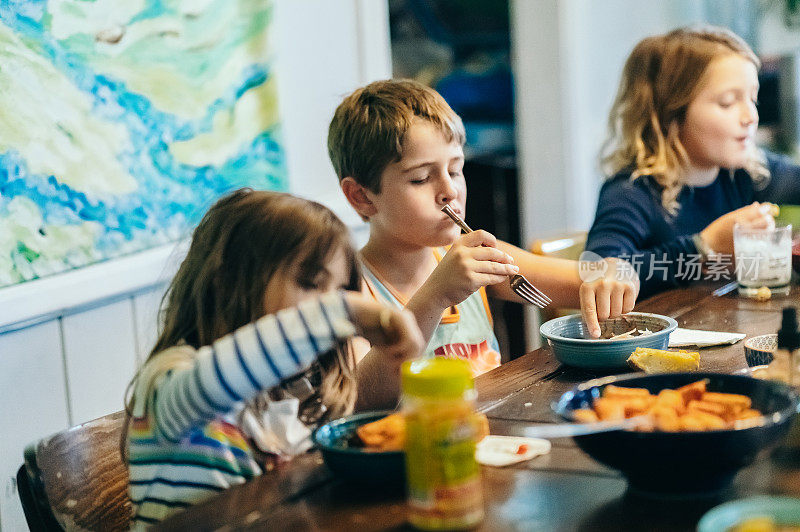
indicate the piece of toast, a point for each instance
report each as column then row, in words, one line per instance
column 661, row 361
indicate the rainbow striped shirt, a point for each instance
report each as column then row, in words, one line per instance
column 183, row 444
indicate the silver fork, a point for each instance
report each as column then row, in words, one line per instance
column 519, row 284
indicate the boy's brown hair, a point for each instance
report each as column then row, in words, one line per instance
column 367, row 129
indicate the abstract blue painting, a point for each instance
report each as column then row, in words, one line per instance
column 121, row 121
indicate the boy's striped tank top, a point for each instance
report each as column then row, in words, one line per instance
column 465, row 331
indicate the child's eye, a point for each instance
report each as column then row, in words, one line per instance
column 306, row 284
column 419, row 181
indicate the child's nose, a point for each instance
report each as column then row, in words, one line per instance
column 749, row 114
column 447, row 191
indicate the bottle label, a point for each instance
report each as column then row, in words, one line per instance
column 444, row 480
column 446, row 508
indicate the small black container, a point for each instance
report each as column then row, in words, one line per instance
column 684, row 464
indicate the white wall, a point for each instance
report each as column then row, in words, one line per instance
column 315, row 71
column 70, row 344
column 774, row 37
column 62, row 372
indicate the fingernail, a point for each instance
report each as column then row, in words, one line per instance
column 510, row 258
column 514, row 268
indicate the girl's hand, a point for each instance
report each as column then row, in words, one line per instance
column 395, row 332
column 719, row 234
column 610, row 295
column 471, row 262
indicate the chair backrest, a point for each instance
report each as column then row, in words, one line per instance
column 76, row 479
column 562, row 246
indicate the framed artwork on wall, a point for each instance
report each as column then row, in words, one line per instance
column 121, row 121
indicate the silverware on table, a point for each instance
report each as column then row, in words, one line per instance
column 725, row 289
column 519, row 284
column 567, row 430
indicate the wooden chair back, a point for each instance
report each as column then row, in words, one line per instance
column 76, row 479
column 562, row 246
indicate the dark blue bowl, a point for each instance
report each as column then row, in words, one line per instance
column 684, row 464
column 386, row 468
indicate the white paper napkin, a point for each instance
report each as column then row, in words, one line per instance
column 689, row 337
column 279, row 431
column 501, row 451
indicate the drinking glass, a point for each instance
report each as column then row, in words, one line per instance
column 763, row 259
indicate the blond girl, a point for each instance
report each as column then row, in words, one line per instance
column 681, row 157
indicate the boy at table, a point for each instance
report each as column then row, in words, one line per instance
column 397, row 148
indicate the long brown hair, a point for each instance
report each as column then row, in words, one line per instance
column 659, row 80
column 243, row 240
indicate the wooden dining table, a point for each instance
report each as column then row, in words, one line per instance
column 563, row 490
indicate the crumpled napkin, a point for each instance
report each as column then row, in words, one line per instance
column 501, row 451
column 687, row 337
column 279, row 430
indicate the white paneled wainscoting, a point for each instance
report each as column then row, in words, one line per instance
column 66, row 366
column 65, row 371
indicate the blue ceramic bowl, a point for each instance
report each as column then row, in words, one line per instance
column 386, row 468
column 572, row 345
column 684, row 464
column 782, row 510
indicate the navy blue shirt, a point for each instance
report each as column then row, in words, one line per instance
column 632, row 224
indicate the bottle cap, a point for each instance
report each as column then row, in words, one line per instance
column 789, row 335
column 437, row 377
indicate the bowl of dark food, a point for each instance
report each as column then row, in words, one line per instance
column 347, row 454
column 694, row 431
column 571, row 343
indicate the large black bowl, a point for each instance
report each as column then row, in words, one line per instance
column 684, row 463
column 386, row 468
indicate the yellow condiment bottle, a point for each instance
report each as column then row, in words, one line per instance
column 445, row 486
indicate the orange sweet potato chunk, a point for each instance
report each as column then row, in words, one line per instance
column 693, row 391
column 688, row 408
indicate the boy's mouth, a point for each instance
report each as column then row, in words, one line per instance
column 456, row 210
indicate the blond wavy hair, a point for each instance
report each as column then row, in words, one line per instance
column 245, row 239
column 659, row 80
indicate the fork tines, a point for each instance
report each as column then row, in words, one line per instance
column 519, row 284
column 524, row 289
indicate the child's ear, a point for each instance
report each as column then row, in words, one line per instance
column 357, row 195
